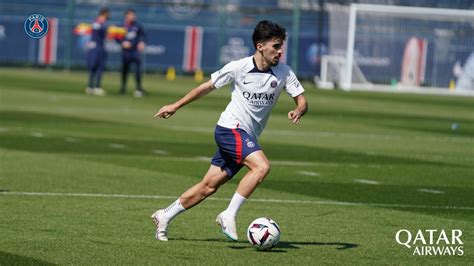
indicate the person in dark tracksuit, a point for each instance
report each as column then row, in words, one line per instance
column 133, row 44
column 96, row 54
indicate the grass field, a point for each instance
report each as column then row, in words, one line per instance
column 80, row 175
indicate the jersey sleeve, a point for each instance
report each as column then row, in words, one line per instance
column 293, row 86
column 225, row 75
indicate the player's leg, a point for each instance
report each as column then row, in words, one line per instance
column 259, row 167
column 100, row 69
column 239, row 148
column 102, row 57
column 124, row 74
column 92, row 67
column 91, row 82
column 138, row 73
column 213, row 179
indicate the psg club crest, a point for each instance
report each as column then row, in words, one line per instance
column 273, row 84
column 250, row 143
column 36, row 26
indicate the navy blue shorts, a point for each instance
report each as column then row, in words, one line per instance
column 234, row 144
column 96, row 59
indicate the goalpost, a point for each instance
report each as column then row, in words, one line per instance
column 380, row 47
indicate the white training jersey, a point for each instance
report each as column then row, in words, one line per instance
column 254, row 93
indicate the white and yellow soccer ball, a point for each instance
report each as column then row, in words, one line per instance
column 263, row 233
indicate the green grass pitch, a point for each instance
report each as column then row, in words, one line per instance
column 358, row 168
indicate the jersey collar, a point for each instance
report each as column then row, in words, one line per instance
column 256, row 70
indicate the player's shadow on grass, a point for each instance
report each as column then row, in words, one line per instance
column 7, row 258
column 281, row 247
column 337, row 245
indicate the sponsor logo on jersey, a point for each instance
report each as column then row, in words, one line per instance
column 259, row 99
column 36, row 26
column 273, row 84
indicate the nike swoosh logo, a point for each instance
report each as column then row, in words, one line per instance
column 247, row 82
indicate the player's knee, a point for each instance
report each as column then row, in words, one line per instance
column 208, row 189
column 263, row 169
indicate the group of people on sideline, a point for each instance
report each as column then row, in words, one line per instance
column 131, row 37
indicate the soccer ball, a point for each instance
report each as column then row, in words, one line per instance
column 263, row 233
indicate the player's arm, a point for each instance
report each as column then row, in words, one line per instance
column 141, row 39
column 196, row 93
column 301, row 109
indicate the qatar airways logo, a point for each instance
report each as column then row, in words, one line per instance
column 259, row 99
column 432, row 242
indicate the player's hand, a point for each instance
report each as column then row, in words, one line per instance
column 166, row 111
column 126, row 44
column 294, row 116
column 141, row 47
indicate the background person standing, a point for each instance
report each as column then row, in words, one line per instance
column 96, row 54
column 133, row 45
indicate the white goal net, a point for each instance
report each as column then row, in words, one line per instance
column 377, row 46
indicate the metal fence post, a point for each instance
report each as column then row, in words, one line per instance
column 68, row 39
column 295, row 35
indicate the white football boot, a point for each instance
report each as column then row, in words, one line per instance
column 89, row 91
column 227, row 224
column 99, row 92
column 138, row 94
column 161, row 225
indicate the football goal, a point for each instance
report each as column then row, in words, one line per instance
column 396, row 47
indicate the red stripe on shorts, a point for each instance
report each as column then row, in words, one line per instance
column 238, row 144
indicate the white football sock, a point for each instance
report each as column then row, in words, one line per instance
column 235, row 203
column 173, row 210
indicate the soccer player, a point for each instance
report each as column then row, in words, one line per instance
column 96, row 54
column 132, row 45
column 256, row 83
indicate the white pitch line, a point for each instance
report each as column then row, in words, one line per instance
column 4, row 129
column 276, row 162
column 160, row 152
column 345, row 135
column 117, row 146
column 298, row 163
column 71, row 140
column 432, row 191
column 366, row 181
column 203, row 158
column 309, row 173
column 37, row 135
column 309, row 202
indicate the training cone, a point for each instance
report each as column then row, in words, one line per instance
column 198, row 75
column 452, row 85
column 393, row 83
column 170, row 73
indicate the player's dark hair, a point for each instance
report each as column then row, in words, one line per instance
column 129, row 10
column 267, row 30
column 104, row 11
